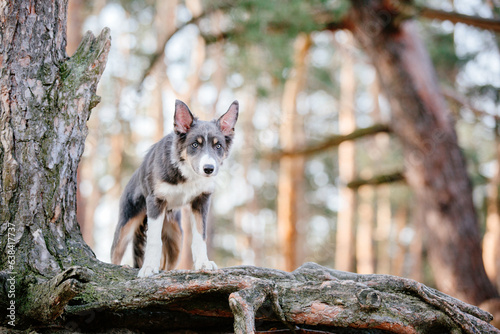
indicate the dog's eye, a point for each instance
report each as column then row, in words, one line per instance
column 218, row 146
column 194, row 145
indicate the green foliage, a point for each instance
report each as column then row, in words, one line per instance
column 263, row 32
column 441, row 47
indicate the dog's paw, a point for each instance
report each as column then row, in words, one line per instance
column 148, row 271
column 206, row 265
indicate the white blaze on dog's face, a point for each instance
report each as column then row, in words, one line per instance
column 204, row 144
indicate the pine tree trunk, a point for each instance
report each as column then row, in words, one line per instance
column 291, row 174
column 435, row 166
column 45, row 103
column 346, row 217
column 491, row 241
column 46, row 99
column 365, row 259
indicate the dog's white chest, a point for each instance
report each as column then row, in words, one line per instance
column 181, row 194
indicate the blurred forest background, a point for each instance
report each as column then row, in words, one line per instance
column 303, row 84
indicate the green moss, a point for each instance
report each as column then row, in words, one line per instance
column 87, row 296
column 1, row 162
column 64, row 70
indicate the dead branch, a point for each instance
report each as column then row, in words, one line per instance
column 475, row 21
column 457, row 98
column 333, row 141
column 377, row 180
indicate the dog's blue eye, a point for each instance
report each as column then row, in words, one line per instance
column 194, row 145
column 218, row 146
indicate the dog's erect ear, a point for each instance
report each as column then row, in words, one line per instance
column 183, row 119
column 227, row 121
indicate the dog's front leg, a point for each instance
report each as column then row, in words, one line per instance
column 152, row 254
column 199, row 208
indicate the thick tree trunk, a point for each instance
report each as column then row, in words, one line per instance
column 46, row 99
column 435, row 166
column 45, row 102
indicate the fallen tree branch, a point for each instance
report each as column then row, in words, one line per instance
column 311, row 297
column 333, row 141
column 377, row 180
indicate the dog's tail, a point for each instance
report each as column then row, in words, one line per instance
column 135, row 229
column 125, row 231
column 132, row 217
column 171, row 237
column 139, row 243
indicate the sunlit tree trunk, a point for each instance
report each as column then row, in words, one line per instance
column 384, row 225
column 164, row 24
column 217, row 53
column 291, row 173
column 250, row 240
column 345, row 247
column 383, row 216
column 435, row 166
column 365, row 261
column 416, row 259
column 491, row 241
column 76, row 10
column 399, row 259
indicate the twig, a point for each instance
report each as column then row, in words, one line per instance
column 377, row 180
column 155, row 57
column 462, row 100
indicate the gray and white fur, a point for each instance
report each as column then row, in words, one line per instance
column 177, row 171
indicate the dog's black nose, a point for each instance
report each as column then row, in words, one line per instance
column 208, row 169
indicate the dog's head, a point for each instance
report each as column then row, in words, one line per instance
column 204, row 145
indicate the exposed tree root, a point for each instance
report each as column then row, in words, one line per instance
column 46, row 301
column 255, row 299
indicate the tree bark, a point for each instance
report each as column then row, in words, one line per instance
column 46, row 99
column 435, row 166
column 45, row 103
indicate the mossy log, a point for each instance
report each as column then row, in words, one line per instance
column 251, row 299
